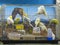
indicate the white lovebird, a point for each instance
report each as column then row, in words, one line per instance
column 37, row 21
column 41, row 25
column 42, row 10
column 10, row 20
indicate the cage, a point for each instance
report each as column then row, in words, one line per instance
column 27, row 15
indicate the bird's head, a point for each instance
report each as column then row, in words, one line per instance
column 17, row 19
column 10, row 17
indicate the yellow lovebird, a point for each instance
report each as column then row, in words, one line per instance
column 55, row 21
column 10, row 20
column 16, row 20
column 10, row 17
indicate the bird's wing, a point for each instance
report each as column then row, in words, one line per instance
column 43, row 26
